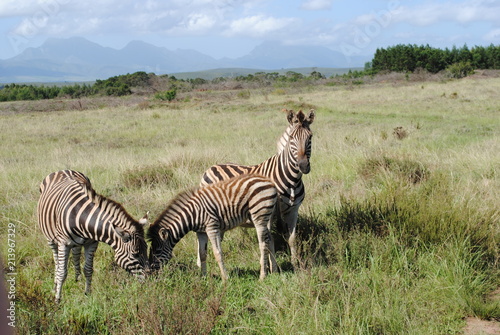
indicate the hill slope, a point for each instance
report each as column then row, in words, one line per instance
column 77, row 59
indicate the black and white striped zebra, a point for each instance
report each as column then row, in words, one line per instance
column 212, row 210
column 285, row 168
column 72, row 215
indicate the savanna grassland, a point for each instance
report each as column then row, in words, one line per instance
column 400, row 228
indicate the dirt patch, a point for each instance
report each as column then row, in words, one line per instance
column 477, row 326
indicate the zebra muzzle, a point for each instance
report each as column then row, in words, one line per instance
column 304, row 166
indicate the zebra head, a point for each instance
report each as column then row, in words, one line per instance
column 161, row 246
column 300, row 136
column 132, row 250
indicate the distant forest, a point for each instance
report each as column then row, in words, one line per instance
column 408, row 58
column 458, row 62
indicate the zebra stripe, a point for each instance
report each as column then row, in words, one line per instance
column 72, row 215
column 285, row 169
column 211, row 211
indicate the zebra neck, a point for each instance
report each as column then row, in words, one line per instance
column 178, row 225
column 286, row 167
column 99, row 221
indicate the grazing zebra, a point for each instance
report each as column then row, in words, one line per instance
column 285, row 168
column 72, row 215
column 212, row 210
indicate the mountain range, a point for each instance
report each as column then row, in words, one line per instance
column 78, row 59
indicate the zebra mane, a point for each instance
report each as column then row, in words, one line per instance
column 152, row 233
column 110, row 205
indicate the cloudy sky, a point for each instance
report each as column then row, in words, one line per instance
column 232, row 28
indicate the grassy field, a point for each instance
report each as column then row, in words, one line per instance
column 400, row 228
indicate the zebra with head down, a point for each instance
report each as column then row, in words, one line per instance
column 72, row 215
column 211, row 211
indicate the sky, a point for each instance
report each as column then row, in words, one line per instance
column 232, row 28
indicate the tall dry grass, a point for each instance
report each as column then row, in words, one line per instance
column 399, row 234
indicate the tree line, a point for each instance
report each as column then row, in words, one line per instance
column 459, row 62
column 114, row 86
column 408, row 58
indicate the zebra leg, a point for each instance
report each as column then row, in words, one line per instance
column 290, row 216
column 202, row 252
column 272, row 250
column 264, row 237
column 77, row 252
column 216, row 239
column 88, row 269
column 62, row 268
column 53, row 246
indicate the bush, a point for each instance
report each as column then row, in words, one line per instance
column 407, row 170
column 460, row 70
column 147, row 176
column 166, row 95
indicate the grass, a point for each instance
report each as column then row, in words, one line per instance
column 399, row 234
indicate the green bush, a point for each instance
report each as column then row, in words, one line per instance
column 166, row 95
column 460, row 70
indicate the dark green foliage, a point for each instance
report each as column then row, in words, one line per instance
column 267, row 79
column 408, row 58
column 460, row 70
column 114, row 86
column 166, row 95
column 15, row 92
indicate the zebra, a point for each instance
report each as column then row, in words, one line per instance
column 285, row 168
column 72, row 215
column 212, row 210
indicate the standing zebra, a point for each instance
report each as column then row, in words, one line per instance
column 284, row 168
column 71, row 215
column 211, row 211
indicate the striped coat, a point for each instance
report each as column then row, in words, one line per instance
column 285, row 169
column 209, row 211
column 72, row 215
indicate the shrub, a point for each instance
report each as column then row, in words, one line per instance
column 408, row 170
column 166, row 95
column 244, row 94
column 460, row 70
column 147, row 176
column 400, row 133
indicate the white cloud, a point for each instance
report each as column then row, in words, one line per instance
column 18, row 7
column 195, row 23
column 258, row 26
column 317, row 4
column 463, row 12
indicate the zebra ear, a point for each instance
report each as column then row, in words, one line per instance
column 290, row 116
column 123, row 234
column 163, row 233
column 144, row 221
column 310, row 117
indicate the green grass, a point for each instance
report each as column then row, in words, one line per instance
column 399, row 234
